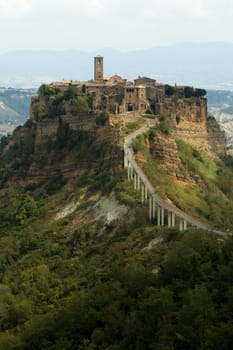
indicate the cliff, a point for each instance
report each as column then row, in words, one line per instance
column 63, row 126
column 191, row 124
column 64, row 146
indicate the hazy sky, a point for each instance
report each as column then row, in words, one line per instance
column 122, row 24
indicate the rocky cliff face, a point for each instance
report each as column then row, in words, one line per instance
column 67, row 146
column 164, row 149
column 191, row 124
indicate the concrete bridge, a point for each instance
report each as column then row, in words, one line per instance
column 158, row 210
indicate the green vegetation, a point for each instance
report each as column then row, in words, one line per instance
column 133, row 126
column 68, row 288
column 53, row 102
column 102, row 118
column 208, row 196
column 196, row 161
column 166, row 123
column 18, row 158
column 185, row 92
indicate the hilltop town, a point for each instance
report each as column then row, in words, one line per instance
column 79, row 103
column 119, row 95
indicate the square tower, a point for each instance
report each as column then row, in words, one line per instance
column 99, row 68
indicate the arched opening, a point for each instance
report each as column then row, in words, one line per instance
column 130, row 107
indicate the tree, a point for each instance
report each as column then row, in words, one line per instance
column 70, row 92
column 169, row 90
column 188, row 91
column 80, row 106
column 200, row 92
column 195, row 317
column 40, row 110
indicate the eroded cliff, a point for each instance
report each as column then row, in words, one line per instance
column 191, row 124
column 66, row 145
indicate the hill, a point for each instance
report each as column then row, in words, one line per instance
column 205, row 65
column 81, row 266
column 14, row 107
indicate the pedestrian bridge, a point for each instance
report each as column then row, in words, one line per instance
column 160, row 212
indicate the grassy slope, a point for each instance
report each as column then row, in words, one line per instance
column 210, row 200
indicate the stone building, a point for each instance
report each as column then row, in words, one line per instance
column 118, row 95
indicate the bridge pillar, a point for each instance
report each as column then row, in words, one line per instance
column 183, row 224
column 129, row 172
column 146, row 194
column 158, row 216
column 150, row 208
column 162, row 216
column 126, row 163
column 154, row 208
column 143, row 193
column 169, row 219
column 135, row 180
column 132, row 173
column 173, row 219
column 139, row 183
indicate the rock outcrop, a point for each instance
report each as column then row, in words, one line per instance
column 50, row 160
column 191, row 125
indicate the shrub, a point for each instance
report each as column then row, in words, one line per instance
column 169, row 90
column 70, row 92
column 102, row 118
column 188, row 91
column 211, row 118
column 40, row 110
column 165, row 125
column 80, row 106
column 178, row 119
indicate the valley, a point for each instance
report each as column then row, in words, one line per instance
column 14, row 108
column 221, row 107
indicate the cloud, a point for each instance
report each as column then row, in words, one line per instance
column 14, row 7
column 68, row 7
column 173, row 9
column 123, row 24
column 118, row 9
column 180, row 9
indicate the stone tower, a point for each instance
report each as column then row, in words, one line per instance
column 99, row 68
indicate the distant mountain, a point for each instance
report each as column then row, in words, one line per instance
column 14, row 107
column 207, row 65
column 7, row 114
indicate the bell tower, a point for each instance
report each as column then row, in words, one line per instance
column 99, row 68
